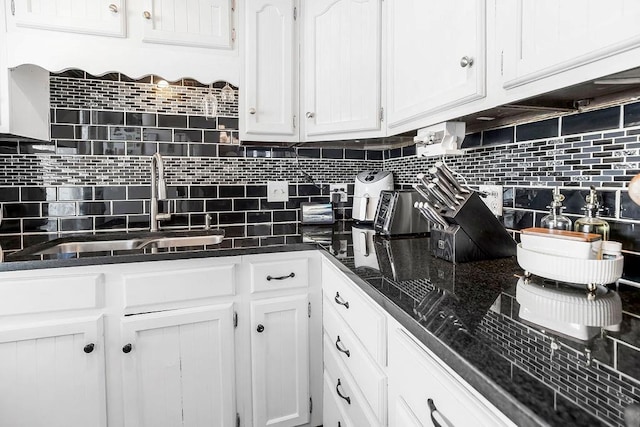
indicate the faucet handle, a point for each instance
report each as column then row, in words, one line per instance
column 162, row 189
column 207, row 221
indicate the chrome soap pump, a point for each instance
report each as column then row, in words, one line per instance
column 590, row 223
column 555, row 220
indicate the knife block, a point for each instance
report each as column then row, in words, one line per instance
column 476, row 234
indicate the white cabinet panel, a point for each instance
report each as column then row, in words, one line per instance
column 53, row 374
column 268, row 103
column 200, row 23
column 179, row 368
column 280, row 361
column 102, row 17
column 426, row 46
column 341, row 77
column 543, row 38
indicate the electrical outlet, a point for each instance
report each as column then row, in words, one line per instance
column 277, row 191
column 338, row 192
column 493, row 198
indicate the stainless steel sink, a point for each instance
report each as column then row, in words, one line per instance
column 125, row 242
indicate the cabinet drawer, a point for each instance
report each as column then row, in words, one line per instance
column 417, row 378
column 367, row 321
column 178, row 285
column 50, row 292
column 350, row 400
column 281, row 274
column 331, row 414
column 370, row 378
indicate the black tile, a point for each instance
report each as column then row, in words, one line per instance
column 294, row 202
column 110, row 193
column 74, row 147
column 109, row 148
column 472, row 140
column 77, row 117
column 72, row 74
column 10, row 194
column 625, row 233
column 308, row 190
column 311, row 153
column 139, row 192
column 231, row 191
column 76, row 224
column 127, row 207
column 155, row 134
column 39, row 224
column 259, row 230
column 395, row 153
column 246, row 242
column 9, row 147
column 282, row 153
column 110, row 222
column 628, row 208
column 374, row 155
column 253, row 217
column 141, row 119
column 141, row 148
column 36, row 147
column 107, row 117
column 203, row 150
column 332, row 153
column 216, row 136
column 628, row 361
column 607, row 118
column 632, row 114
column 533, row 198
column 75, row 193
column 234, row 231
column 219, row 205
column 186, row 206
column 228, row 123
column 246, row 204
column 112, row 77
column 256, row 191
column 187, row 135
column 231, row 218
column 272, row 240
column 498, row 136
column 177, row 191
column 36, row 194
column 537, row 130
column 94, row 208
column 62, row 131
column 279, row 229
column 173, row 149
column 355, row 154
column 409, row 151
column 201, row 122
column 172, row 121
column 230, row 151
column 125, row 133
column 264, row 205
column 138, row 221
column 285, row 216
column 92, row 132
column 517, row 220
column 203, row 191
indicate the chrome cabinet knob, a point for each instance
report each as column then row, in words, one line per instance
column 466, row 61
column 113, row 8
column 252, row 110
column 146, row 14
column 310, row 115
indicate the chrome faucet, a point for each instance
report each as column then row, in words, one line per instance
column 158, row 192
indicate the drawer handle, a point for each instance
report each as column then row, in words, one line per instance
column 89, row 348
column 345, row 351
column 270, row 278
column 340, row 301
column 433, row 411
column 347, row 398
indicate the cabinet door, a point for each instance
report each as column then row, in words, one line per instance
column 280, row 361
column 341, row 64
column 543, row 38
column 428, row 45
column 102, row 17
column 200, row 23
column 53, row 374
column 421, row 389
column 270, row 90
column 178, row 367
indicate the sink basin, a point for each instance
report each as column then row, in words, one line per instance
column 124, row 242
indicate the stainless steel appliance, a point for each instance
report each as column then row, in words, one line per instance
column 396, row 215
column 364, row 251
column 366, row 193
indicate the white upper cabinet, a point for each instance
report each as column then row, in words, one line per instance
column 341, row 76
column 566, row 42
column 200, row 23
column 102, row 17
column 435, row 59
column 269, row 84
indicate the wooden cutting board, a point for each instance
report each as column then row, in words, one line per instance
column 562, row 234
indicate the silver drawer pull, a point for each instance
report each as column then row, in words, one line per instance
column 292, row 274
column 340, row 301
column 343, row 350
column 347, row 398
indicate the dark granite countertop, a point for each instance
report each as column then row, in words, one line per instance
column 467, row 314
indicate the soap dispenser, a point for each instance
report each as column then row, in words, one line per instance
column 590, row 223
column 555, row 220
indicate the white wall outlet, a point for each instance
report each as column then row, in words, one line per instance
column 338, row 192
column 277, row 191
column 493, row 197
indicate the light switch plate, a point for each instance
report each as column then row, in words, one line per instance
column 493, row 198
column 277, row 191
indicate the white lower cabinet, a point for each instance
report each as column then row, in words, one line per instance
column 423, row 392
column 52, row 373
column 178, row 367
column 280, row 361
